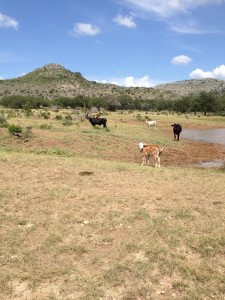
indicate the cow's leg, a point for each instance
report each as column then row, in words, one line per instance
column 155, row 159
column 158, row 162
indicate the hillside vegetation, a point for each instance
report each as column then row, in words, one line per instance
column 194, row 86
column 53, row 81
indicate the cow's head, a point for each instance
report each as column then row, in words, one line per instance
column 160, row 150
column 141, row 146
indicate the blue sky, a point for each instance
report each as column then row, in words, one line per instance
column 127, row 42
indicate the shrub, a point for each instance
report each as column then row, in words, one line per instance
column 67, row 122
column 14, row 129
column 28, row 132
column 44, row 115
column 58, row 117
column 138, row 117
column 45, row 126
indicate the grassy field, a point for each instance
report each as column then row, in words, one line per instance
column 81, row 219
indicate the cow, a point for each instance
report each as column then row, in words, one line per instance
column 97, row 121
column 151, row 123
column 177, row 128
column 148, row 151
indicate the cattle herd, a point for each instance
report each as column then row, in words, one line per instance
column 148, row 150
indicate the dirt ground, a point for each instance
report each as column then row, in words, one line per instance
column 181, row 153
column 192, row 153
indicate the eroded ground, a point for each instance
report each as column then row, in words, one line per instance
column 178, row 153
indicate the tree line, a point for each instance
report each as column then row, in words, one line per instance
column 202, row 103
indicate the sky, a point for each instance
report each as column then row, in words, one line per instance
column 125, row 42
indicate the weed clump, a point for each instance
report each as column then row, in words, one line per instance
column 15, row 129
column 18, row 131
column 3, row 122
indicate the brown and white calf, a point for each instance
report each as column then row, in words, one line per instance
column 149, row 151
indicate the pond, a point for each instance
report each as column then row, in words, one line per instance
column 215, row 136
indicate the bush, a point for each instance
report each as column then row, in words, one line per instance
column 18, row 101
column 15, row 129
column 44, row 115
column 138, row 117
column 45, row 126
column 67, row 122
column 28, row 132
column 58, row 117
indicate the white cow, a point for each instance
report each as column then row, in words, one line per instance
column 151, row 123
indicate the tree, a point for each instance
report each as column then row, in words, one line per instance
column 183, row 105
column 207, row 102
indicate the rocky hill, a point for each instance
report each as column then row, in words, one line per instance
column 53, row 80
column 194, row 86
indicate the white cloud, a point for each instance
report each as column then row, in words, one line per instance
column 167, row 8
column 23, row 74
column 181, row 60
column 86, row 29
column 6, row 21
column 188, row 28
column 199, row 73
column 126, row 21
column 171, row 11
column 131, row 81
column 218, row 72
column 144, row 81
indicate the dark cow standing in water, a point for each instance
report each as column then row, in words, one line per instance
column 97, row 121
column 177, row 128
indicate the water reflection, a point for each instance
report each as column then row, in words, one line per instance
column 215, row 136
column 210, row 164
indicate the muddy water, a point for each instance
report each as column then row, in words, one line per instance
column 215, row 136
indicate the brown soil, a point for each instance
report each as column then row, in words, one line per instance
column 181, row 153
column 193, row 152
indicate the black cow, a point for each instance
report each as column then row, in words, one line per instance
column 177, row 128
column 97, row 121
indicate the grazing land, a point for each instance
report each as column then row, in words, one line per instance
column 82, row 219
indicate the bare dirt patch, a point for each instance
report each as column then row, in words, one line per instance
column 193, row 152
column 180, row 153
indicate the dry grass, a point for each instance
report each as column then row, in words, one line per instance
column 77, row 223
